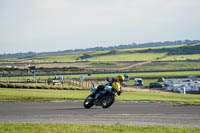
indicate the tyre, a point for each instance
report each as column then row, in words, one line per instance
column 88, row 102
column 108, row 101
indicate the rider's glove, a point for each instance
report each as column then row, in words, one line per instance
column 118, row 93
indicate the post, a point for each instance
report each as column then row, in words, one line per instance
column 86, row 83
column 34, row 77
column 23, row 78
column 79, row 83
column 183, row 90
column 72, row 81
column 89, row 83
column 7, row 78
column 68, row 81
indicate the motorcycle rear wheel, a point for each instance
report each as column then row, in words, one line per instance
column 88, row 102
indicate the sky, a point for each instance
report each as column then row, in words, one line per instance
column 57, row 25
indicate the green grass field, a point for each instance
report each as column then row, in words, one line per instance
column 42, row 95
column 57, row 58
column 169, row 66
column 145, row 74
column 75, row 128
column 129, row 57
column 44, row 58
column 138, row 49
column 106, row 65
column 11, row 60
column 181, row 57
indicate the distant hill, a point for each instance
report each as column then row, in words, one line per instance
column 111, row 48
column 188, row 49
column 184, row 50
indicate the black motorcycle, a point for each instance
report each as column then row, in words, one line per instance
column 104, row 98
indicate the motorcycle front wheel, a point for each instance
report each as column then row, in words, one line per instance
column 108, row 101
column 88, row 102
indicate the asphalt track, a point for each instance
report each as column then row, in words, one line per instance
column 142, row 114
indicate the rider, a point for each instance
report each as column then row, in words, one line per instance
column 115, row 83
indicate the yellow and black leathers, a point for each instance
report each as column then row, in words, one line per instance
column 116, row 86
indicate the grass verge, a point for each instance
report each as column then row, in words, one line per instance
column 139, row 74
column 75, row 128
column 40, row 95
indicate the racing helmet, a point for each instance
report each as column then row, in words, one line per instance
column 120, row 79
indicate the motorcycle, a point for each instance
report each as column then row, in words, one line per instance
column 104, row 98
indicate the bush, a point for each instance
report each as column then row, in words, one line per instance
column 18, row 86
column 10, row 86
column 38, row 87
column 45, row 87
column 3, row 85
column 25, row 86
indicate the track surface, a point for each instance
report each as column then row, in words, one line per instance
column 142, row 114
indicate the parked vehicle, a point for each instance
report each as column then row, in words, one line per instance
column 138, row 82
column 56, row 81
column 155, row 85
column 126, row 78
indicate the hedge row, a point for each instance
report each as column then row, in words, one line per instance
column 25, row 86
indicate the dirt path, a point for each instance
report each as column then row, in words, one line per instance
column 123, row 68
column 134, row 65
